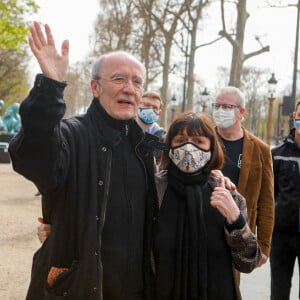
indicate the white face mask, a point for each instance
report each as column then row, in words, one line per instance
column 224, row 118
column 189, row 158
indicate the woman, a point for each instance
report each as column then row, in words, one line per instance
column 201, row 233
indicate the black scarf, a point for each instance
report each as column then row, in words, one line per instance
column 192, row 239
column 193, row 259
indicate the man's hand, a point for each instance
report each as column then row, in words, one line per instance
column 262, row 261
column 53, row 64
column 43, row 230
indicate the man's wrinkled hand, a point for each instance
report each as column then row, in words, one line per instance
column 43, row 230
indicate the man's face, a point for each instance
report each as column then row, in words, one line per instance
column 231, row 99
column 119, row 88
column 148, row 102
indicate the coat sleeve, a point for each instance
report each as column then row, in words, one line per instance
column 38, row 151
column 265, row 213
column 245, row 250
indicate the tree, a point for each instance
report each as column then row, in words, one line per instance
column 13, row 83
column 253, row 84
column 78, row 93
column 13, row 58
column 13, row 27
column 236, row 39
column 166, row 17
column 190, row 23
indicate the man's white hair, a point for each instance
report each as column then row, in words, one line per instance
column 233, row 90
column 96, row 69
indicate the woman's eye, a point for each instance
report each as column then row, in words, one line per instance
column 180, row 141
column 198, row 142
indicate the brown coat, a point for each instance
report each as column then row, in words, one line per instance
column 256, row 184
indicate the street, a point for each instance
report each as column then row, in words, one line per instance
column 18, row 241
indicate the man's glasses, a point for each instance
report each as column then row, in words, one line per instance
column 224, row 106
column 122, row 81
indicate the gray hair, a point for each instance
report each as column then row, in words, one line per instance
column 96, row 69
column 233, row 90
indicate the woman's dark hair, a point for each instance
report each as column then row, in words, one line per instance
column 195, row 123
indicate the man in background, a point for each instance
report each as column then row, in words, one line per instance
column 150, row 108
column 286, row 235
column 248, row 164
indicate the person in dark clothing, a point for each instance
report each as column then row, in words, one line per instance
column 150, row 108
column 248, row 163
column 95, row 173
column 201, row 233
column 286, row 235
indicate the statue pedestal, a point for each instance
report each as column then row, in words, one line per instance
column 5, row 138
column 4, row 155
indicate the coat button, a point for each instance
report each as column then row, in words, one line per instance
column 100, row 182
column 97, row 218
column 65, row 294
column 95, row 289
column 103, row 149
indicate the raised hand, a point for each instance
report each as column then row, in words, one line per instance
column 52, row 64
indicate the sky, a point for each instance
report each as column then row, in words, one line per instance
column 74, row 20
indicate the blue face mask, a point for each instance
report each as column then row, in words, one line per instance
column 297, row 125
column 147, row 115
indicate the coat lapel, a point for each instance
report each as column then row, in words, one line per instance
column 246, row 162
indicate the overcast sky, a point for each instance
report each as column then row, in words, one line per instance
column 74, row 20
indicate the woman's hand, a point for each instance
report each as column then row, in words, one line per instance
column 222, row 200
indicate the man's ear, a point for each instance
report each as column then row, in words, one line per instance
column 159, row 112
column 96, row 89
column 242, row 110
column 294, row 115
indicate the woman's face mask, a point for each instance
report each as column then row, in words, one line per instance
column 223, row 118
column 189, row 158
column 147, row 115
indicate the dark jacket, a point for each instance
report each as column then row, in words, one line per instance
column 70, row 162
column 235, row 242
column 286, row 164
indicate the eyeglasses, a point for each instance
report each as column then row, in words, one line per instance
column 224, row 106
column 122, row 81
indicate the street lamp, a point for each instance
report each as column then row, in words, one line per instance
column 173, row 106
column 272, row 82
column 204, row 98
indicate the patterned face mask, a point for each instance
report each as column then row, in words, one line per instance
column 189, row 158
column 147, row 115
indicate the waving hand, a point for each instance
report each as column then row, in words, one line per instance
column 53, row 64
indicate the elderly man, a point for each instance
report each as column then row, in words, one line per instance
column 95, row 173
column 248, row 164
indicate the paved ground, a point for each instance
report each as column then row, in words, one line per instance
column 18, row 241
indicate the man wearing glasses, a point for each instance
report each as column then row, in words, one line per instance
column 248, row 164
column 96, row 176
